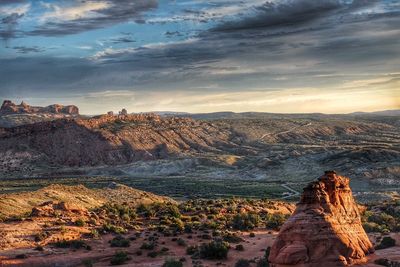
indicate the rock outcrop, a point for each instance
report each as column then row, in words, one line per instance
column 324, row 230
column 9, row 107
column 50, row 208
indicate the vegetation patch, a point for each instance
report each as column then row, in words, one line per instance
column 215, row 250
column 119, row 258
column 119, row 241
column 386, row 242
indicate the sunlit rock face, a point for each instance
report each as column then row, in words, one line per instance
column 324, row 230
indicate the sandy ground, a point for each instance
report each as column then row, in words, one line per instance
column 101, row 252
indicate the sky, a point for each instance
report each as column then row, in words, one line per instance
column 285, row 56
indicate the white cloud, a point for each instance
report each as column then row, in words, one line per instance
column 84, row 47
column 79, row 10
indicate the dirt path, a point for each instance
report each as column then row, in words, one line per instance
column 286, row 131
column 294, row 192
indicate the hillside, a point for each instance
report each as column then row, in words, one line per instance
column 18, row 204
column 104, row 140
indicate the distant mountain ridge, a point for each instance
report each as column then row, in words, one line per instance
column 390, row 112
column 253, row 114
column 9, row 108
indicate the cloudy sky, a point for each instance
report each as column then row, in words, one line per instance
column 332, row 56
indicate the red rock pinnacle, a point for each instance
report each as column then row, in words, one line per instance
column 324, row 229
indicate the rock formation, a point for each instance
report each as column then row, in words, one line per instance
column 9, row 107
column 50, row 208
column 324, row 230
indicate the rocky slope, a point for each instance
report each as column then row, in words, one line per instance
column 324, row 229
column 105, row 140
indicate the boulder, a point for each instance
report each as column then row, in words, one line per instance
column 49, row 208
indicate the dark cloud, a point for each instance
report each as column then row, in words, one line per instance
column 44, row 75
column 125, row 38
column 119, row 11
column 292, row 13
column 8, row 26
column 27, row 49
column 8, row 2
column 170, row 34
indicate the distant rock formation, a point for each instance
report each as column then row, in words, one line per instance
column 324, row 230
column 123, row 112
column 9, row 107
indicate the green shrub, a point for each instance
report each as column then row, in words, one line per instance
column 148, row 246
column 21, row 256
column 122, row 211
column 387, row 263
column 173, row 211
column 386, row 242
column 190, row 250
column 239, row 247
column 75, row 244
column 119, row 258
column 80, row 222
column 275, row 221
column 146, row 210
column 120, row 241
column 181, row 242
column 263, row 262
column 172, row 263
column 93, row 233
column 242, row 263
column 114, row 229
column 152, row 254
column 41, row 236
column 386, row 220
column 232, row 238
column 371, row 227
column 245, row 221
column 178, row 225
column 87, row 263
column 214, row 250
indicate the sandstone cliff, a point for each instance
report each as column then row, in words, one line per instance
column 324, row 230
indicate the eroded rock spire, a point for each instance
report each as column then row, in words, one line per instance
column 324, row 230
